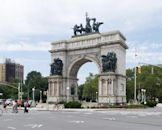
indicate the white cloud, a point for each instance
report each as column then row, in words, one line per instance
column 146, row 52
column 25, row 25
column 26, row 18
column 23, row 17
column 21, row 46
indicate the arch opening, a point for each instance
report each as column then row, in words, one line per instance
column 78, row 72
column 76, row 65
column 85, row 70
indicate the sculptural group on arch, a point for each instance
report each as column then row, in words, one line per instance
column 89, row 27
column 56, row 67
column 109, row 62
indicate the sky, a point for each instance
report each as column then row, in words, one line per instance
column 27, row 28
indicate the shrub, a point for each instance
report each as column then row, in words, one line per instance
column 135, row 106
column 72, row 104
column 151, row 103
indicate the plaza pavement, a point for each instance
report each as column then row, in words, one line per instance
column 82, row 119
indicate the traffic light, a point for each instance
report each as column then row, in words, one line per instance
column 138, row 69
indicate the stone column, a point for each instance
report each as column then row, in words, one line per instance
column 112, row 87
column 52, row 91
column 49, row 89
column 60, row 89
column 104, row 87
column 57, row 89
column 100, row 87
column 76, row 90
column 107, row 93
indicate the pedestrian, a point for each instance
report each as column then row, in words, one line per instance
column 15, row 107
column 26, row 105
column 5, row 106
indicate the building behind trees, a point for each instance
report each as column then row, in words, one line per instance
column 2, row 73
column 11, row 71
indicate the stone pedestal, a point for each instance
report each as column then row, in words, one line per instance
column 72, row 89
column 61, row 89
column 111, row 88
column 56, row 92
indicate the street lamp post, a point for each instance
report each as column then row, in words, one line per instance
column 135, row 74
column 18, row 91
column 67, row 93
column 40, row 97
column 21, row 93
column 96, row 96
column 142, row 96
column 33, row 103
column 143, row 92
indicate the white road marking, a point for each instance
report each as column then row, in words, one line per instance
column 13, row 128
column 108, row 118
column 40, row 125
column 34, row 125
column 76, row 121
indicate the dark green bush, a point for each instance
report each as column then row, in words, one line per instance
column 72, row 104
column 151, row 103
column 135, row 106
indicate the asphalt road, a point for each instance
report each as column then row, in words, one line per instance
column 111, row 119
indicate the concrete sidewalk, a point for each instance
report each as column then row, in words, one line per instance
column 60, row 107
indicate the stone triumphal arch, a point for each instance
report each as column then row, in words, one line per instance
column 106, row 50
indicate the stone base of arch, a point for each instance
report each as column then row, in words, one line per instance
column 61, row 89
column 56, row 92
column 111, row 89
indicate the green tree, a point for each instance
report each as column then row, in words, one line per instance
column 80, row 91
column 90, row 87
column 10, row 90
column 35, row 80
column 130, row 84
column 5, row 90
column 148, row 79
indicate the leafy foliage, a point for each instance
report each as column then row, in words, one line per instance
column 72, row 104
column 80, row 91
column 90, row 87
column 8, row 91
column 151, row 103
column 149, row 79
column 35, row 80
